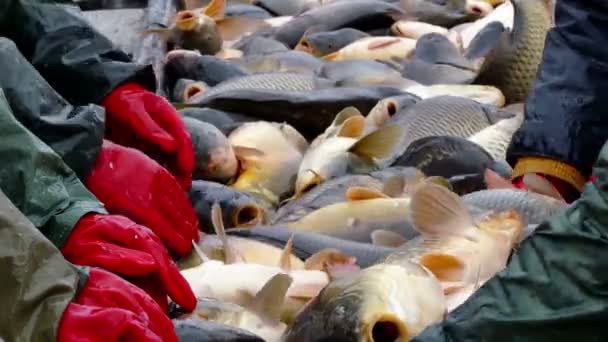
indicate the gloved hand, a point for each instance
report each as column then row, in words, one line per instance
column 128, row 249
column 139, row 118
column 131, row 184
column 109, row 309
column 549, row 176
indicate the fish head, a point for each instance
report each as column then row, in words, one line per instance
column 446, row 13
column 306, row 181
column 382, row 112
column 222, row 162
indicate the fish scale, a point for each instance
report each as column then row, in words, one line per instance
column 443, row 115
column 270, row 81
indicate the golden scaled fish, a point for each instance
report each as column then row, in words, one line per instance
column 261, row 314
column 382, row 303
column 346, row 152
column 376, row 48
column 270, row 154
column 462, row 254
column 205, row 29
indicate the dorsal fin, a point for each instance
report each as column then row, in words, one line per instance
column 268, row 302
column 285, row 260
column 360, row 193
column 216, row 9
column 436, row 210
column 387, row 238
column 352, row 127
column 378, row 145
column 230, row 253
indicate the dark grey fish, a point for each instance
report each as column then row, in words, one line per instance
column 256, row 45
column 191, row 65
column 214, row 157
column 437, row 61
column 244, row 10
column 358, row 14
column 323, row 43
column 238, row 208
column 306, row 244
column 447, row 116
column 222, row 120
column 534, row 208
column 282, row 7
column 194, row 330
column 445, row 156
column 354, row 73
column 284, row 62
column 310, row 112
column 446, row 13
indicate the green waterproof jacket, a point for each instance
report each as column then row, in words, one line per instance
column 80, row 65
column 37, row 283
column 555, row 287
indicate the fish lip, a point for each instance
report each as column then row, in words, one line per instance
column 248, row 215
column 385, row 327
column 186, row 20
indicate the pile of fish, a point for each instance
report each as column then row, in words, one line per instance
column 350, row 160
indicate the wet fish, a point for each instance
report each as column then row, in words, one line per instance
column 194, row 330
column 285, row 62
column 191, row 65
column 385, row 109
column 254, row 45
column 444, row 13
column 357, row 14
column 356, row 218
column 487, row 95
column 519, row 52
column 225, row 122
column 196, row 29
column 534, row 208
column 355, row 73
column 271, row 81
column 238, row 10
column 259, row 314
column 270, row 154
column 214, row 157
column 438, row 61
column 323, row 43
column 185, row 89
column 462, row 254
column 375, row 48
column 445, row 156
column 285, row 7
column 416, row 29
column 306, row 244
column 381, row 303
column 496, row 138
column 308, row 111
column 448, row 116
column 334, row 191
column 341, row 154
column 239, row 209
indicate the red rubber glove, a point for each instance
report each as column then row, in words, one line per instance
column 131, row 184
column 120, row 246
column 139, row 118
column 109, row 309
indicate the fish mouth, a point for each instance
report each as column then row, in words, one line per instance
column 386, row 328
column 186, row 20
column 248, row 215
column 305, row 46
column 192, row 90
column 480, row 9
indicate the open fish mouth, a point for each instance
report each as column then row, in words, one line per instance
column 248, row 216
column 385, row 328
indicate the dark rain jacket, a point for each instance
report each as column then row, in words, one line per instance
column 54, row 70
column 555, row 288
column 565, row 117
